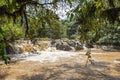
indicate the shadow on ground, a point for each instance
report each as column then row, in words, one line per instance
column 3, row 76
column 99, row 71
column 3, row 73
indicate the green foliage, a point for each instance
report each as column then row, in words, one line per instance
column 45, row 24
column 108, row 9
column 12, row 31
column 3, row 44
column 110, row 35
column 90, row 20
column 91, row 17
column 6, row 58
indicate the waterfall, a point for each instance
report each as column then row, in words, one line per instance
column 22, row 46
column 84, row 47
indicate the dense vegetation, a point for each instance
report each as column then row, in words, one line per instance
column 91, row 21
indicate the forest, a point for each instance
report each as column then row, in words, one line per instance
column 92, row 22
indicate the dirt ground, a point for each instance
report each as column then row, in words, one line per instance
column 105, row 68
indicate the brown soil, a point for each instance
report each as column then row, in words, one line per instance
column 73, row 68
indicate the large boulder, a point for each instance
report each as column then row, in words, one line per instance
column 76, row 44
column 110, row 48
column 60, row 45
column 67, row 45
column 13, row 49
column 10, row 49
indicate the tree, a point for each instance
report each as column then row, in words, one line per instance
column 91, row 16
column 19, row 10
column 88, row 18
column 16, row 10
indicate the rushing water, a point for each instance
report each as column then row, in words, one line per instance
column 44, row 51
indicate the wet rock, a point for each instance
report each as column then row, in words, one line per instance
column 110, row 48
column 67, row 45
column 21, row 46
column 53, row 43
column 77, row 45
column 18, row 50
column 35, row 41
column 89, row 45
column 10, row 49
column 60, row 45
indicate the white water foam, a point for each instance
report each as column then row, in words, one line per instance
column 49, row 56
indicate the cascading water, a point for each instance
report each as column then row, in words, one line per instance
column 45, row 50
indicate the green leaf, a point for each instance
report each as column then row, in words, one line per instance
column 77, row 9
column 2, row 2
column 71, row 17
